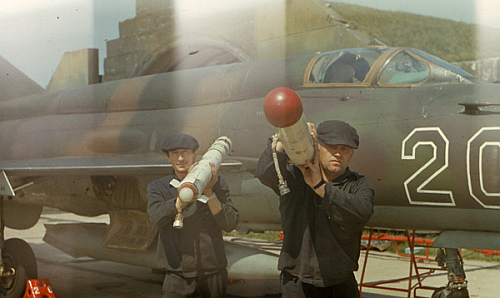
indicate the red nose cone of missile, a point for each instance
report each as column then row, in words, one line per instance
column 282, row 107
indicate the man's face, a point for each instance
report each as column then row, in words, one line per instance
column 181, row 160
column 334, row 159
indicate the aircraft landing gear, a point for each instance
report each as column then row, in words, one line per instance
column 457, row 284
column 17, row 264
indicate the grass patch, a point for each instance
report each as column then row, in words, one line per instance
column 449, row 40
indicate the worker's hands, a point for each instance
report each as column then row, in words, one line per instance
column 214, row 204
column 279, row 146
column 312, row 130
column 312, row 170
column 208, row 189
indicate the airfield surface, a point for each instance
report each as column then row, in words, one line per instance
column 85, row 277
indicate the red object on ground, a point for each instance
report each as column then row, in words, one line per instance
column 282, row 107
column 420, row 242
column 39, row 288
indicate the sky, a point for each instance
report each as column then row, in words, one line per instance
column 36, row 33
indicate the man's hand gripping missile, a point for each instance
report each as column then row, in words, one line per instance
column 202, row 176
column 312, row 172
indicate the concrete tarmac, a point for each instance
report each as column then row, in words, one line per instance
column 85, row 277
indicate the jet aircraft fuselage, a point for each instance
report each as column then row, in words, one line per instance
column 429, row 136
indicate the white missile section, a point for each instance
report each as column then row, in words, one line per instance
column 283, row 109
column 297, row 141
column 192, row 186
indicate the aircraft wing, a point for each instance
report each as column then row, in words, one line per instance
column 98, row 165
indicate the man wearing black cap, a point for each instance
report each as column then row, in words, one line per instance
column 322, row 216
column 194, row 255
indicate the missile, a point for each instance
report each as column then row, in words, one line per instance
column 283, row 109
column 192, row 186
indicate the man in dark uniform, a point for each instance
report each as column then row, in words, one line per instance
column 322, row 216
column 194, row 255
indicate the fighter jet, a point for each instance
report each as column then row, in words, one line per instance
column 429, row 136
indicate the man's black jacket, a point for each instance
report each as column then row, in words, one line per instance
column 321, row 235
column 196, row 249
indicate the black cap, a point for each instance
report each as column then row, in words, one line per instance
column 336, row 132
column 179, row 141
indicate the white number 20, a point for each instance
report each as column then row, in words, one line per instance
column 477, row 164
column 436, row 139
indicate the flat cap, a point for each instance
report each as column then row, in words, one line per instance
column 336, row 132
column 179, row 141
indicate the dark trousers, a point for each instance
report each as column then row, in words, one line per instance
column 207, row 286
column 294, row 288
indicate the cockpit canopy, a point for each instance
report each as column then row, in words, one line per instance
column 383, row 67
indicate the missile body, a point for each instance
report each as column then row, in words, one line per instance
column 192, row 186
column 283, row 109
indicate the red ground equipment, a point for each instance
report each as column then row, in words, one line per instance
column 39, row 288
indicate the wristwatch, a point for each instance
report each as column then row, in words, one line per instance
column 205, row 199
